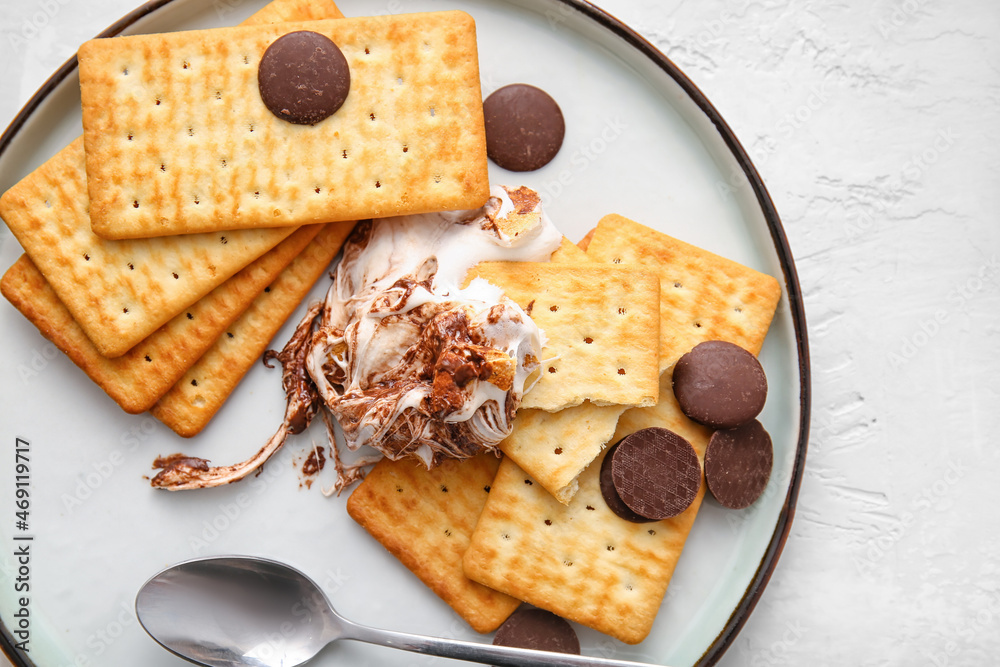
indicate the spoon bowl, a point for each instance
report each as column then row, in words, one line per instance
column 236, row 611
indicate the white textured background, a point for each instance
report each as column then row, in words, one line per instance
column 876, row 127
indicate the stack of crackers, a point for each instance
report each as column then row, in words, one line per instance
column 487, row 534
column 166, row 246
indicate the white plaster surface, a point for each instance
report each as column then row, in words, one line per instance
column 876, row 127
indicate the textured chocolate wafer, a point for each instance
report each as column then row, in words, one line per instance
column 656, row 473
column 601, row 323
column 198, row 395
column 702, row 296
column 142, row 375
column 179, row 141
column 425, row 518
column 610, row 493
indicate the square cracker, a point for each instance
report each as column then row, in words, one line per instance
column 601, row 326
column 193, row 401
column 554, row 447
column 49, row 208
column 178, row 139
column 580, row 560
column 139, row 377
column 702, row 296
column 425, row 518
column 118, row 291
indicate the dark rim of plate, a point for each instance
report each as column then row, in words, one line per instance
column 766, row 567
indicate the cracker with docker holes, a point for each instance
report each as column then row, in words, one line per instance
column 425, row 518
column 118, row 291
column 556, row 446
column 179, row 141
column 580, row 560
column 702, row 296
column 200, row 393
column 601, row 325
column 48, row 212
column 142, row 375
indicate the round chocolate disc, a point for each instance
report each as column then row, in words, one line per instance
column 524, row 127
column 738, row 464
column 529, row 627
column 303, row 77
column 656, row 473
column 720, row 384
column 611, row 497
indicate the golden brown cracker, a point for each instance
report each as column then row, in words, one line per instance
column 601, row 326
column 119, row 292
column 580, row 561
column 179, row 141
column 48, row 212
column 283, row 11
column 569, row 252
column 555, row 447
column 142, row 375
column 702, row 296
column 425, row 519
column 198, row 395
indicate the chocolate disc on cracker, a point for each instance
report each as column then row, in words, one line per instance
column 738, row 464
column 303, row 77
column 529, row 627
column 524, row 127
column 719, row 384
column 610, row 494
column 656, row 473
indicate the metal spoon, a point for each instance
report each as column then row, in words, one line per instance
column 233, row 611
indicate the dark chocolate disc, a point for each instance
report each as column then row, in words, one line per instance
column 524, row 127
column 303, row 77
column 529, row 627
column 738, row 464
column 611, row 497
column 656, row 473
column 720, row 384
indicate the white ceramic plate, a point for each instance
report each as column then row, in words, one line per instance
column 641, row 141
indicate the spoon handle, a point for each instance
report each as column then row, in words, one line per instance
column 502, row 656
